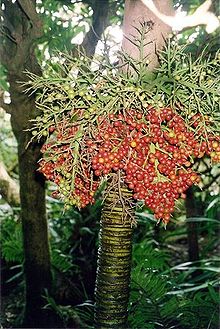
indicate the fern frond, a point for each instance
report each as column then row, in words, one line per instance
column 12, row 244
column 60, row 261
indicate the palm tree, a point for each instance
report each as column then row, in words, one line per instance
column 115, row 245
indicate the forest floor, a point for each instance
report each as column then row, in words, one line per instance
column 11, row 309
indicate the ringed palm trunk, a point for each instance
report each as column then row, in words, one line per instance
column 114, row 265
column 114, row 255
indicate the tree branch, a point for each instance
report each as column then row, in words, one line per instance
column 25, row 27
column 8, row 187
column 4, row 56
column 6, row 26
column 99, row 23
column 29, row 10
column 202, row 16
column 6, row 107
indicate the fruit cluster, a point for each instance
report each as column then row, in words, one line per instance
column 61, row 165
column 154, row 152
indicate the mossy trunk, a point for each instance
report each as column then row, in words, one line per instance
column 35, row 237
column 114, row 265
column 33, row 215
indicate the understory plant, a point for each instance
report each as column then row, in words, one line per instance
column 159, row 300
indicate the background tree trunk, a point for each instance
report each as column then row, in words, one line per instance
column 22, row 28
column 192, row 210
column 9, row 189
column 136, row 12
column 113, row 273
column 35, row 235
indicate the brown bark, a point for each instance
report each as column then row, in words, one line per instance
column 22, row 27
column 99, row 23
column 33, row 209
column 34, row 224
column 9, row 189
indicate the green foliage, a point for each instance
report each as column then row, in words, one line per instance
column 148, row 287
column 11, row 240
column 200, row 311
column 64, row 312
column 208, row 275
column 193, row 83
column 157, row 300
column 73, row 239
column 12, row 246
column 213, row 206
column 8, row 144
column 166, row 296
column 81, row 315
column 197, row 37
column 60, row 25
column 60, row 261
column 62, row 228
column 69, row 228
column 149, row 256
column 163, row 292
column 3, row 80
column 66, row 23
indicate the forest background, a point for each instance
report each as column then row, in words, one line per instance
column 174, row 282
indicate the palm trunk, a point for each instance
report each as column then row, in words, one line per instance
column 114, row 265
